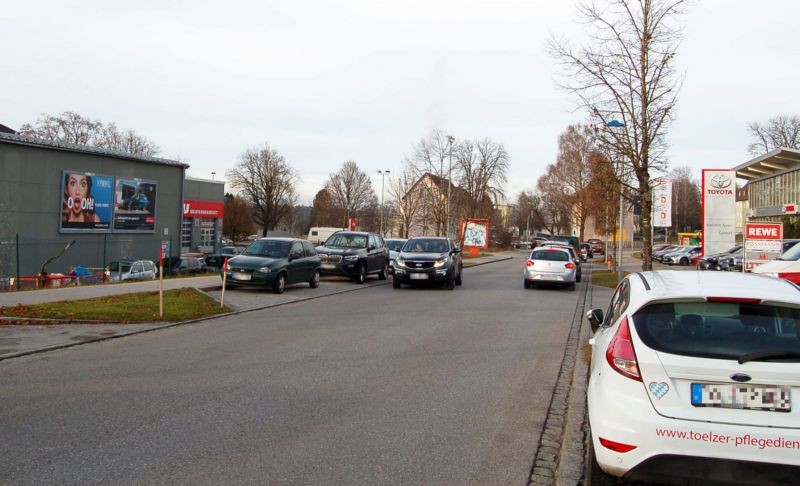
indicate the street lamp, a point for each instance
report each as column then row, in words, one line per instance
column 450, row 140
column 212, row 175
column 619, row 124
column 383, row 173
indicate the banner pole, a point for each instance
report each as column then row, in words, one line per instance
column 161, row 283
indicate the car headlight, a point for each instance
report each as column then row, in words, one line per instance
column 440, row 262
column 399, row 262
column 351, row 258
column 264, row 269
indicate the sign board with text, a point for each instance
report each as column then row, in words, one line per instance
column 662, row 203
column 762, row 242
column 719, row 210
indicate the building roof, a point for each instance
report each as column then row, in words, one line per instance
column 85, row 149
column 5, row 129
column 770, row 164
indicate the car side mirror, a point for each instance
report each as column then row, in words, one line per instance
column 595, row 318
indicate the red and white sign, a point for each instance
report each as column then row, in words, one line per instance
column 762, row 242
column 719, row 210
column 203, row 209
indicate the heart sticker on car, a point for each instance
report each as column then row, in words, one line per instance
column 659, row 389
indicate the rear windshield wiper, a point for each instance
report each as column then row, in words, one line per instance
column 762, row 355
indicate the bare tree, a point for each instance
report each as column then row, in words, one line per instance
column 323, row 211
column 780, row 131
column 71, row 127
column 432, row 156
column 528, row 215
column 267, row 182
column 482, row 169
column 351, row 190
column 686, row 208
column 573, row 170
column 556, row 203
column 625, row 73
column 238, row 221
column 406, row 206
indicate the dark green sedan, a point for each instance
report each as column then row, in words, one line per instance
column 275, row 263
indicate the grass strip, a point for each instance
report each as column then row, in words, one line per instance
column 606, row 278
column 179, row 305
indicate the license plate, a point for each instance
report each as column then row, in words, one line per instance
column 328, row 266
column 747, row 397
column 548, row 277
column 418, row 276
column 240, row 276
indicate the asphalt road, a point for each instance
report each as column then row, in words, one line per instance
column 378, row 386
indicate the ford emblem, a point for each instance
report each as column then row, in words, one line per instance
column 740, row 377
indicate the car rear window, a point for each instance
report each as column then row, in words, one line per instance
column 551, row 255
column 722, row 330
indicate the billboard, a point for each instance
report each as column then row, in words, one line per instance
column 86, row 202
column 662, row 203
column 719, row 210
column 762, row 242
column 475, row 233
column 134, row 206
column 203, row 209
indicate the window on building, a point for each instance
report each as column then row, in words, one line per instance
column 186, row 235
column 208, row 232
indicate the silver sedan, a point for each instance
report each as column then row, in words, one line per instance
column 550, row 266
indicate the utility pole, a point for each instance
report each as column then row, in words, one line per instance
column 383, row 174
column 450, row 140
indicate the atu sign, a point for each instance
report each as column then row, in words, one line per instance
column 719, row 210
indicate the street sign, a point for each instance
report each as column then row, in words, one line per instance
column 762, row 242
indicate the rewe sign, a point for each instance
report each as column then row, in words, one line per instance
column 762, row 242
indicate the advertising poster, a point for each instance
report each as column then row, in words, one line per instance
column 762, row 242
column 86, row 202
column 662, row 204
column 134, row 206
column 475, row 233
column 719, row 210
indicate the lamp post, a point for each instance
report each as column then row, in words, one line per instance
column 212, row 175
column 619, row 124
column 450, row 140
column 383, row 173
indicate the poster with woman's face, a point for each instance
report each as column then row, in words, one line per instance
column 86, row 202
column 134, row 206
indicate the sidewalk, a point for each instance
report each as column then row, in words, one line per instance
column 17, row 340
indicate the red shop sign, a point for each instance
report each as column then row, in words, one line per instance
column 203, row 209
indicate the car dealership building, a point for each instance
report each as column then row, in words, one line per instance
column 112, row 205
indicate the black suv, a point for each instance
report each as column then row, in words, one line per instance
column 428, row 259
column 354, row 254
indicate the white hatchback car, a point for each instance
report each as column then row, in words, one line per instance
column 696, row 376
column 550, row 265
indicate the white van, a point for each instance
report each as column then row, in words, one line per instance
column 318, row 235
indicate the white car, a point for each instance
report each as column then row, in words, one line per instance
column 550, row 265
column 696, row 376
column 785, row 266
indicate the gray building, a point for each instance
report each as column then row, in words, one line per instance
column 773, row 182
column 203, row 210
column 111, row 204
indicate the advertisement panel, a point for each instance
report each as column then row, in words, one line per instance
column 134, row 206
column 203, row 209
column 662, row 203
column 762, row 242
column 475, row 233
column 719, row 210
column 86, row 202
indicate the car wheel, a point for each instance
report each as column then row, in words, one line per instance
column 361, row 276
column 280, row 283
column 572, row 286
column 451, row 282
column 395, row 283
column 526, row 284
column 459, row 277
column 578, row 277
column 314, row 282
column 684, row 261
column 384, row 273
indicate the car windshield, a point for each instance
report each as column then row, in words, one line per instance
column 550, row 254
column 346, row 241
column 720, row 330
column 227, row 251
column 425, row 245
column 269, row 248
column 792, row 254
column 394, row 245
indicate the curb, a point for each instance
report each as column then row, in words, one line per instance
column 558, row 460
column 193, row 321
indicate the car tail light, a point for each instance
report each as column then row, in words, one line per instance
column 570, row 265
column 734, row 300
column 616, row 446
column 620, row 354
column 529, row 263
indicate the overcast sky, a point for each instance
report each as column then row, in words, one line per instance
column 328, row 81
